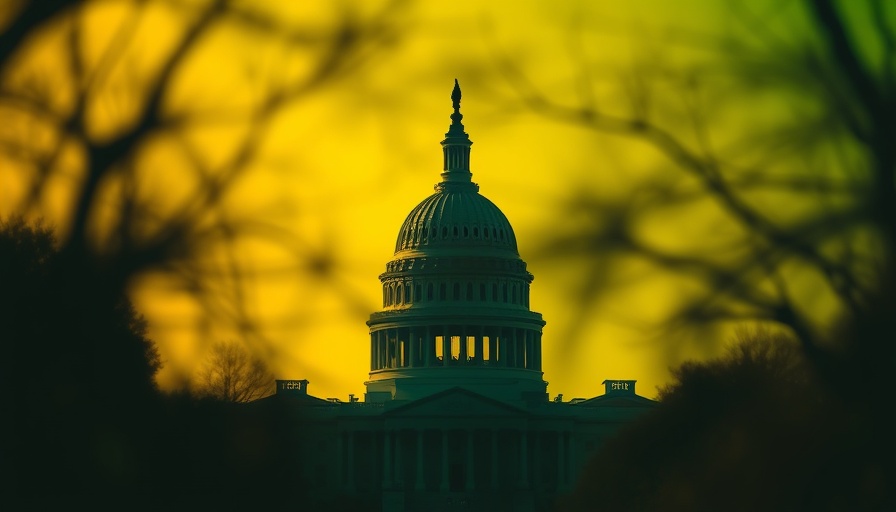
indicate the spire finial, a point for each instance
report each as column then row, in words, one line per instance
column 456, row 147
column 455, row 96
column 456, row 127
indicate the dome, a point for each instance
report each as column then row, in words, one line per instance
column 456, row 217
column 456, row 296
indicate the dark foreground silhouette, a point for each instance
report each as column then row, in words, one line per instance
column 85, row 424
column 760, row 429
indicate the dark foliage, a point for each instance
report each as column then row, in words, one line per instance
column 85, row 426
column 86, row 423
column 756, row 430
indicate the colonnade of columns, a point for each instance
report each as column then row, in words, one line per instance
column 450, row 465
column 451, row 345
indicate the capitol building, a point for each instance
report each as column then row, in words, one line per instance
column 456, row 413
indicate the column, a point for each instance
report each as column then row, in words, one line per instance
column 428, row 348
column 350, row 462
column 494, row 459
column 524, row 456
column 340, row 460
column 398, row 465
column 492, row 350
column 376, row 350
column 462, row 352
column 412, row 339
column 419, row 484
column 537, row 454
column 470, row 462
column 538, row 351
column 478, row 346
column 391, row 348
column 561, row 460
column 446, row 347
column 372, row 351
column 527, row 337
column 502, row 350
column 387, row 459
column 443, row 477
column 521, row 337
column 407, row 347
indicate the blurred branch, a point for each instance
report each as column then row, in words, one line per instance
column 106, row 168
column 843, row 92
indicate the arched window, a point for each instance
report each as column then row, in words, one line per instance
column 399, row 296
column 481, row 291
column 495, row 292
column 429, row 291
column 475, row 232
column 417, row 297
column 456, row 294
column 442, row 291
column 504, row 292
column 469, row 291
column 444, row 231
column 391, row 295
column 455, row 231
column 466, row 232
column 515, row 298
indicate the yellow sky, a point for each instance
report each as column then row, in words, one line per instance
column 341, row 167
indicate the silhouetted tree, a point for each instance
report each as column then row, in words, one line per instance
column 231, row 374
column 752, row 430
column 88, row 124
column 78, row 368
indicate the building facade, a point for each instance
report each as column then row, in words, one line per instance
column 456, row 414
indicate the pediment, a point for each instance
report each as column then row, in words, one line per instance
column 456, row 402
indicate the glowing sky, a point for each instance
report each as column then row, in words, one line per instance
column 341, row 167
